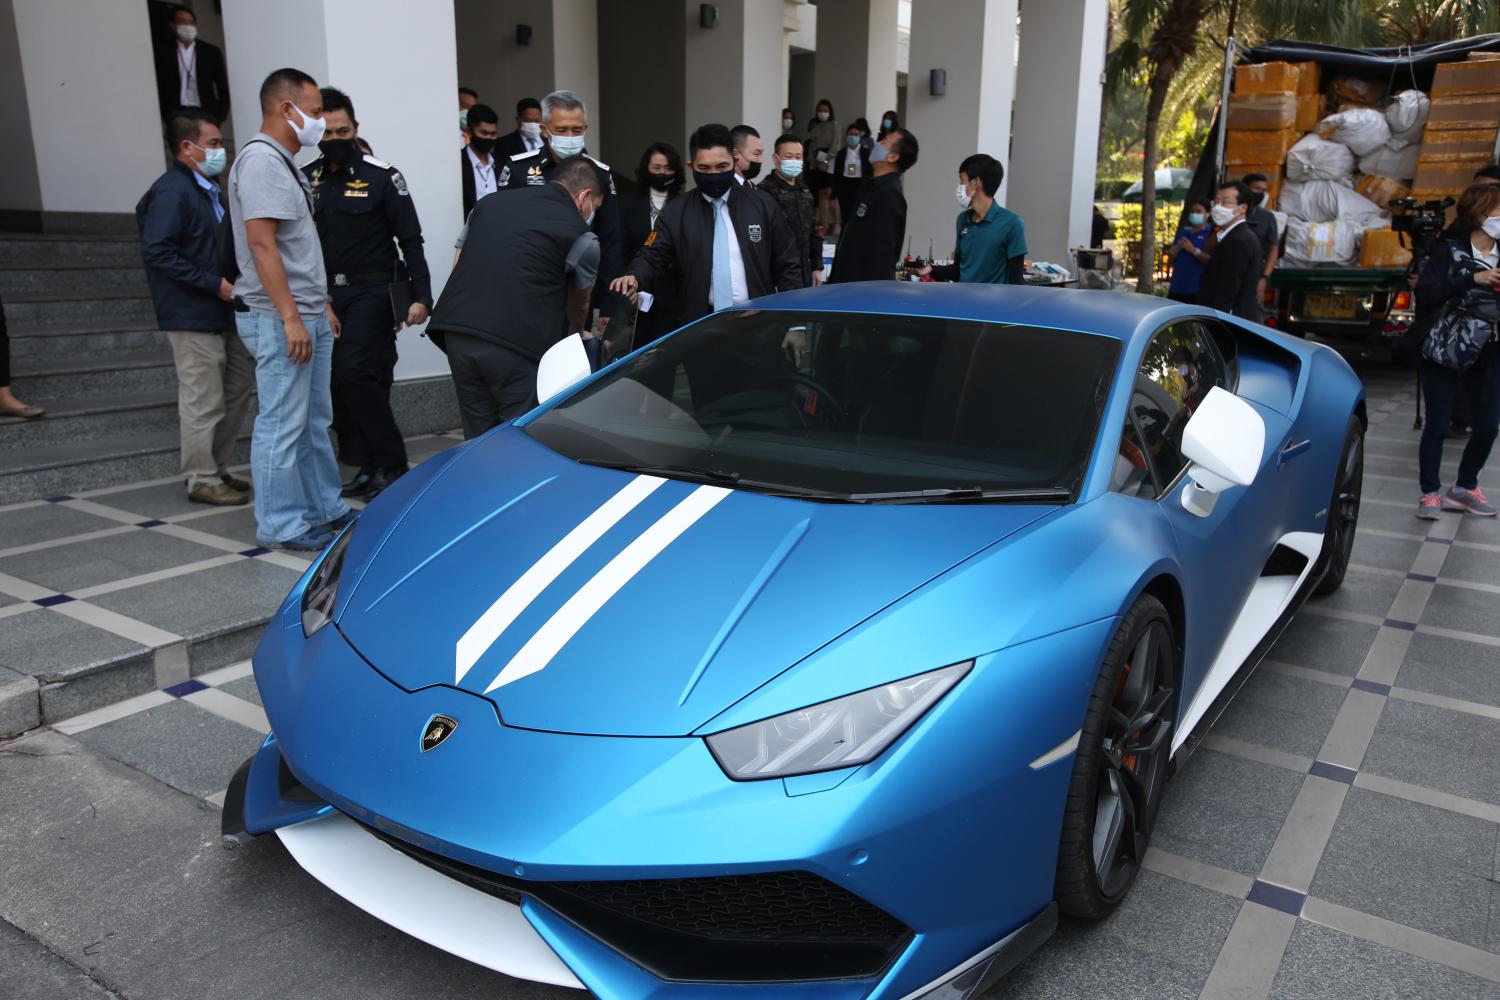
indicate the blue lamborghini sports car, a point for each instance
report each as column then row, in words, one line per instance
column 827, row 648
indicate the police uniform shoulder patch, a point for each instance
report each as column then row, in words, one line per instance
column 754, row 233
column 372, row 161
column 861, row 210
column 399, row 182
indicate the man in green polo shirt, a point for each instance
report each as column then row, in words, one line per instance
column 991, row 247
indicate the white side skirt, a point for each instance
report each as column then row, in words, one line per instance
column 427, row 905
column 1270, row 596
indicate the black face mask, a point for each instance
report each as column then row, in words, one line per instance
column 714, row 186
column 663, row 182
column 482, row 146
column 752, row 171
column 1256, row 197
column 340, row 151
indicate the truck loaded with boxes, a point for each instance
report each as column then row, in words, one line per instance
column 1344, row 137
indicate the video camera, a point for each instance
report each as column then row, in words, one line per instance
column 1420, row 223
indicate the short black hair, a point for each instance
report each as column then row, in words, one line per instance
column 906, row 148
column 987, row 169
column 859, row 123
column 578, row 172
column 481, row 113
column 470, row 91
column 524, row 105
column 1489, row 173
column 825, row 101
column 284, row 84
column 710, row 136
column 335, row 99
column 186, row 124
column 178, row 8
column 1249, row 179
column 782, row 140
column 1241, row 190
column 1203, row 203
column 739, row 134
column 674, row 161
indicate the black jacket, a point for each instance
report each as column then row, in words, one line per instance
column 871, row 244
column 213, row 80
column 508, row 145
column 801, row 209
column 363, row 212
column 1232, row 276
column 847, row 189
column 466, row 173
column 635, row 221
column 180, row 244
column 532, row 170
column 510, row 286
column 682, row 246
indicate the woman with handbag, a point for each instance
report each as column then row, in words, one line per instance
column 1462, row 277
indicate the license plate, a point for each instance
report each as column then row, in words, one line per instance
column 1322, row 306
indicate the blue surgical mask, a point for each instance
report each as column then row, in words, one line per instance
column 885, row 123
column 567, row 145
column 791, row 168
column 879, row 153
column 1197, row 218
column 213, row 161
column 852, row 140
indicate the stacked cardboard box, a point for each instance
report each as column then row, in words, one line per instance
column 1461, row 128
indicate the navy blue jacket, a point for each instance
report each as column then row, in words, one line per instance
column 180, row 243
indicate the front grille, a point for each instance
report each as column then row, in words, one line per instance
column 773, row 927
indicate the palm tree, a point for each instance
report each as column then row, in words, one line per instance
column 1411, row 22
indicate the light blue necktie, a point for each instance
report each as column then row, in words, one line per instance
column 723, row 281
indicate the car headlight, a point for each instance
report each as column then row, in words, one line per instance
column 323, row 589
column 844, row 732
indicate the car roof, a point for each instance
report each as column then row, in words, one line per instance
column 1118, row 315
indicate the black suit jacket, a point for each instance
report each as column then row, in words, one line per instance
column 635, row 226
column 1231, row 278
column 682, row 246
column 466, row 174
column 873, row 233
column 213, row 79
column 509, row 145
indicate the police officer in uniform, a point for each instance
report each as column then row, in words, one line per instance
column 564, row 134
column 363, row 210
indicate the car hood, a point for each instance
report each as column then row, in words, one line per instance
column 586, row 600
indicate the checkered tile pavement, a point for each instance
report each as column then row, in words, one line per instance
column 1337, row 835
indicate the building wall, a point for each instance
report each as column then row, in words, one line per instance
column 20, row 185
column 490, row 61
column 96, row 133
column 763, row 74
column 643, row 99
column 715, row 63
column 575, row 32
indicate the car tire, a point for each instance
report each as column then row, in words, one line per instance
column 1343, row 511
column 1121, row 764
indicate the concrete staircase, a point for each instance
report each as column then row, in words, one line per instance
column 84, row 344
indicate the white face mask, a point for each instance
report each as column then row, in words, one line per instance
column 187, row 33
column 786, row 124
column 531, row 130
column 1492, row 227
column 310, row 132
column 823, row 116
column 1223, row 215
column 964, row 198
column 567, row 145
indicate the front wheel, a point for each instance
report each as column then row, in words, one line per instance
column 1121, row 765
column 1343, row 511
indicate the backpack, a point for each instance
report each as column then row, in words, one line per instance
column 1467, row 321
column 229, row 265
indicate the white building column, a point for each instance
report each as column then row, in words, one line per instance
column 410, row 118
column 1059, row 89
column 81, row 121
column 974, row 43
column 856, row 63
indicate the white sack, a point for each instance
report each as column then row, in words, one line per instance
column 1327, row 201
column 1317, row 159
column 1396, row 162
column 1407, row 117
column 1321, row 242
column 1363, row 130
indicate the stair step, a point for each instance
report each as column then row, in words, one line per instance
column 44, row 309
column 73, row 466
column 83, row 340
column 22, row 279
column 84, row 418
column 28, row 250
column 61, row 375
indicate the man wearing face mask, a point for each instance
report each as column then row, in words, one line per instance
column 1230, row 278
column 190, row 73
column 479, row 163
column 791, row 193
column 521, row 283
column 564, row 129
column 871, row 243
column 991, row 246
column 364, row 210
column 1262, row 222
column 179, row 221
column 749, row 152
column 527, row 137
column 288, row 324
column 467, row 98
column 726, row 243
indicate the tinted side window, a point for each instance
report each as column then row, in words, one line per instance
column 1168, row 386
column 1132, row 473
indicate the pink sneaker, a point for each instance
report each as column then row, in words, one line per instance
column 1472, row 501
column 1430, row 507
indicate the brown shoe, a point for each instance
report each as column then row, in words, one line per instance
column 235, row 483
column 218, row 495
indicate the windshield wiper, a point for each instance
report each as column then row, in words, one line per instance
column 716, row 477
column 969, row 494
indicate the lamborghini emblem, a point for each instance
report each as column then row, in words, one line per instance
column 438, row 729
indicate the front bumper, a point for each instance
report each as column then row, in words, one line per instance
column 962, row 856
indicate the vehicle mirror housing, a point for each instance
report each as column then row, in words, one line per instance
column 565, row 364
column 1225, row 441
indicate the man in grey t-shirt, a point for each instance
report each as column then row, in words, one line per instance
column 288, row 326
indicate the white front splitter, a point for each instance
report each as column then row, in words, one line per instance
column 421, row 902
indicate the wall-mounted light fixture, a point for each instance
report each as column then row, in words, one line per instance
column 937, row 82
column 708, row 15
column 523, row 35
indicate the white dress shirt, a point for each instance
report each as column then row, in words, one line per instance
column 658, row 202
column 187, row 76
column 739, row 287
column 1491, row 259
column 484, row 174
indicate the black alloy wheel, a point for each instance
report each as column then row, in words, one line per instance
column 1343, row 511
column 1121, row 765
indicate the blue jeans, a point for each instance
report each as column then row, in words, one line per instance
column 291, row 459
column 1439, row 386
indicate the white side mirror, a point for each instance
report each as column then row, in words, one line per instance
column 1225, row 440
column 565, row 364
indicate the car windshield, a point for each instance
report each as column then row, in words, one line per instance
column 849, row 407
